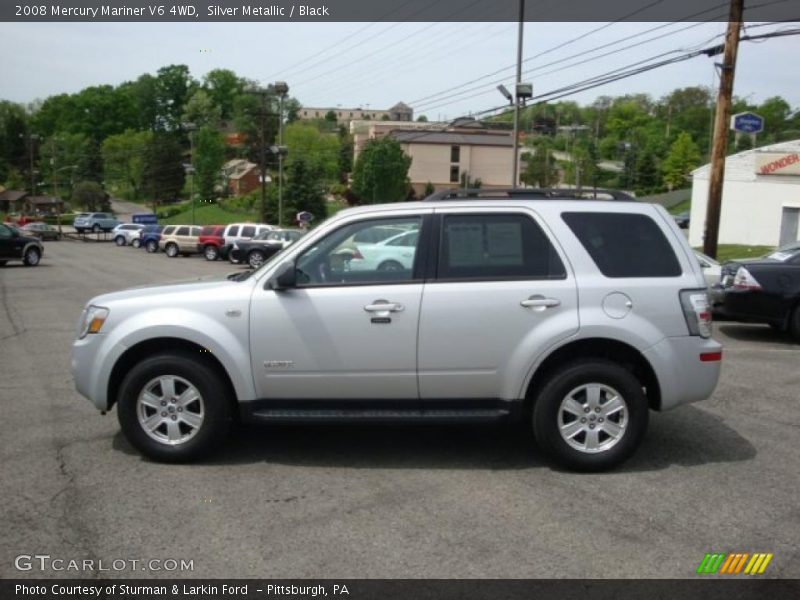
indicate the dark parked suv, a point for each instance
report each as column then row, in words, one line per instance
column 15, row 246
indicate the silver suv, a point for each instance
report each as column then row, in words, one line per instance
column 575, row 315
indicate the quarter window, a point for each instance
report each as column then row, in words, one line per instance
column 624, row 244
column 499, row 246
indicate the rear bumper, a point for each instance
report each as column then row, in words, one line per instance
column 683, row 376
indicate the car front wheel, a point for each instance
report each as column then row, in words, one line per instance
column 255, row 259
column 590, row 415
column 95, row 228
column 151, row 246
column 119, row 240
column 174, row 407
column 136, row 243
column 171, row 250
column 32, row 257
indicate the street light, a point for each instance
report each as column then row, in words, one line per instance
column 190, row 127
column 281, row 88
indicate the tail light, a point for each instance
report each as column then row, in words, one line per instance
column 697, row 311
column 745, row 281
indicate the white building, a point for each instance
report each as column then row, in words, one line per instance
column 761, row 197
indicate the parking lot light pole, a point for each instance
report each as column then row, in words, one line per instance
column 281, row 88
column 190, row 127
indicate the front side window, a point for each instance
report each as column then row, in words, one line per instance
column 349, row 256
column 496, row 246
column 233, row 231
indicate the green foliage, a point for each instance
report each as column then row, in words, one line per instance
column 13, row 128
column 201, row 111
column 429, row 189
column 209, row 156
column 320, row 151
column 539, row 166
column 304, row 191
column 173, row 87
column 124, row 160
column 89, row 194
column 346, row 148
column 223, row 86
column 330, row 116
column 422, row 119
column 163, row 168
column 15, row 180
column 682, row 158
column 206, row 214
column 381, row 172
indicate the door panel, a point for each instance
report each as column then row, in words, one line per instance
column 502, row 297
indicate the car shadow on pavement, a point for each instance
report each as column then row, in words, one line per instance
column 748, row 332
column 687, row 436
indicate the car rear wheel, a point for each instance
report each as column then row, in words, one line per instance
column 136, row 243
column 211, row 252
column 256, row 258
column 174, row 407
column 151, row 246
column 171, row 250
column 95, row 228
column 119, row 240
column 590, row 415
column 32, row 256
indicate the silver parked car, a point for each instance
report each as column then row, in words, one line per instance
column 578, row 316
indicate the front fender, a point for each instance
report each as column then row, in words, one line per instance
column 228, row 343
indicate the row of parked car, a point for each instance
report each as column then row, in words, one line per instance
column 250, row 243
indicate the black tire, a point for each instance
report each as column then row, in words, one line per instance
column 95, row 228
column 390, row 265
column 136, row 243
column 171, row 250
column 32, row 256
column 211, row 252
column 3, row 263
column 256, row 258
column 547, row 415
column 794, row 323
column 119, row 240
column 79, row 229
column 215, row 400
column 151, row 246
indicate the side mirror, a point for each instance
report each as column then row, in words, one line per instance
column 285, row 277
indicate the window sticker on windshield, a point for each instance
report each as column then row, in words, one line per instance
column 781, row 256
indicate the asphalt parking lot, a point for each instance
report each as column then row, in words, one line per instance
column 341, row 502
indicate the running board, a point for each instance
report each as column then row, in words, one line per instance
column 373, row 414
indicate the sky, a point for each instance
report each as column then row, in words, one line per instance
column 378, row 64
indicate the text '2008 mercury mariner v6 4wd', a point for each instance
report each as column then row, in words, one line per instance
column 577, row 315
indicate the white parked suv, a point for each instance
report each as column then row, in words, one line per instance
column 575, row 315
column 239, row 232
column 125, row 233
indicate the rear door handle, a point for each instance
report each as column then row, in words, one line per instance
column 384, row 306
column 539, row 302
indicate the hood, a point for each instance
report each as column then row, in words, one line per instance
column 196, row 288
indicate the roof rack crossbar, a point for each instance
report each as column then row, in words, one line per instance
column 530, row 193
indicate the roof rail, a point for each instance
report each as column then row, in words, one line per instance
column 531, row 193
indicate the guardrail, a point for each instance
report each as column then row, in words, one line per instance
column 88, row 236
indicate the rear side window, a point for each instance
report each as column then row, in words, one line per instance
column 500, row 246
column 248, row 231
column 624, row 245
column 182, row 231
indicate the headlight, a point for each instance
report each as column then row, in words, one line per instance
column 93, row 319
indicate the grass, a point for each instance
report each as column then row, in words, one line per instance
column 729, row 251
column 209, row 214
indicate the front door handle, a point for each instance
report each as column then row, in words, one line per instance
column 539, row 302
column 384, row 306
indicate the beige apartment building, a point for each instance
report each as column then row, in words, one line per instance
column 399, row 112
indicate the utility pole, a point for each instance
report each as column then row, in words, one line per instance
column 515, row 159
column 723, row 116
column 281, row 88
column 262, row 148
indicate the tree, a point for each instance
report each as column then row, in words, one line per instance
column 429, row 189
column 540, row 166
column 223, row 86
column 319, row 150
column 174, row 86
column 381, row 171
column 209, row 156
column 89, row 194
column 65, row 158
column 201, row 110
column 682, row 158
column 124, row 160
column 422, row 119
column 13, row 128
column 163, row 168
column 346, row 148
column 304, row 190
column 330, row 116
